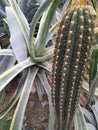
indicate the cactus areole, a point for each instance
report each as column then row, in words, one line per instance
column 72, row 44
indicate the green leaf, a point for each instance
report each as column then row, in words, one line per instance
column 89, row 116
column 80, row 123
column 22, row 23
column 67, row 4
column 23, row 4
column 90, row 126
column 17, row 39
column 93, row 87
column 9, row 74
column 94, row 4
column 40, row 1
column 51, row 32
column 46, row 86
column 43, row 58
column 44, row 28
column 7, row 52
column 5, row 2
column 85, row 85
column 2, row 97
column 21, row 106
column 6, row 63
column 5, row 124
column 2, row 14
column 93, row 63
column 47, row 66
column 95, row 111
column 35, row 20
column 15, row 96
column 49, row 51
column 39, row 87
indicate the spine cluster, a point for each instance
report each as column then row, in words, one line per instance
column 72, row 44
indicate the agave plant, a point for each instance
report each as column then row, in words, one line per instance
column 32, row 56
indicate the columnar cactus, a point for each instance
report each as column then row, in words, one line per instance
column 73, row 40
column 93, row 82
column 93, row 63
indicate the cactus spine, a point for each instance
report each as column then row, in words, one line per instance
column 73, row 39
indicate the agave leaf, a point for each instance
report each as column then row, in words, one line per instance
column 22, row 21
column 40, row 1
column 51, row 32
column 94, row 4
column 44, row 28
column 2, row 97
column 86, row 87
column 8, row 52
column 47, row 66
column 92, row 89
column 49, row 51
column 35, row 20
column 21, row 106
column 29, row 8
column 6, row 63
column 39, row 87
column 46, row 86
column 95, row 111
column 1, row 57
column 15, row 96
column 80, row 123
column 17, row 39
column 2, row 14
column 46, row 55
column 6, row 27
column 90, row 126
column 43, row 58
column 20, row 18
column 8, row 75
column 5, row 2
column 67, row 4
column 89, row 116
column 23, row 5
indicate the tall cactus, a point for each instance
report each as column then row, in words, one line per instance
column 93, row 82
column 73, row 39
column 93, row 63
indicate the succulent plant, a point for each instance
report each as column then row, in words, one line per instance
column 23, row 57
column 72, row 44
column 94, row 62
column 93, row 81
column 34, row 56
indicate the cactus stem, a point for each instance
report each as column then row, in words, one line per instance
column 73, row 41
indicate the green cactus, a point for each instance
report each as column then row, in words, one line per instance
column 73, row 40
column 93, row 63
column 93, row 82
